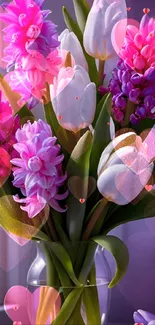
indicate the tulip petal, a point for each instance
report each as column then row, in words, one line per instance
column 88, row 104
column 121, row 185
column 70, row 42
column 138, row 318
column 146, row 315
column 120, row 141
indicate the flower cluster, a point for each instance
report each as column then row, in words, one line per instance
column 127, row 84
column 138, row 51
column 38, row 171
column 31, row 74
column 31, row 50
column 134, row 77
column 8, row 128
column 28, row 28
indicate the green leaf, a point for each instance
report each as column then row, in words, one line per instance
column 25, row 114
column 64, row 258
column 73, row 27
column 145, row 208
column 119, row 251
column 76, row 317
column 88, row 262
column 90, row 299
column 66, row 138
column 65, row 280
column 63, row 236
column 101, row 135
column 78, row 165
column 81, row 11
column 68, row 306
column 16, row 221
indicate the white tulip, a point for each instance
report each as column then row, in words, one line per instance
column 100, row 22
column 73, row 97
column 70, row 43
column 124, row 169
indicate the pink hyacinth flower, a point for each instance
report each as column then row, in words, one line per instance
column 8, row 127
column 138, row 51
column 38, row 171
column 27, row 29
column 31, row 73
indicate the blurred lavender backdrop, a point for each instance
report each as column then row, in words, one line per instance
column 137, row 289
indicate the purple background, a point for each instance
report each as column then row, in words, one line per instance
column 137, row 289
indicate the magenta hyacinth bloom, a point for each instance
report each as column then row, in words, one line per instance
column 138, row 51
column 8, row 127
column 28, row 28
column 38, row 172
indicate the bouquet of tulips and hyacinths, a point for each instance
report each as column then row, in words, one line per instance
column 89, row 165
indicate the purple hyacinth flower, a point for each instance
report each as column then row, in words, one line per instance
column 149, row 90
column 126, row 76
column 103, row 90
column 38, row 172
column 137, row 79
column 126, row 88
column 142, row 316
column 150, row 75
column 118, row 114
column 114, row 87
column 149, row 101
column 120, row 102
column 141, row 112
column 134, row 94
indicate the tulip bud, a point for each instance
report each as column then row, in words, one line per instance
column 73, row 97
column 124, row 169
column 100, row 22
column 70, row 43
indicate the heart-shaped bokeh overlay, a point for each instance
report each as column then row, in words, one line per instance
column 40, row 307
column 15, row 252
column 16, row 221
column 82, row 188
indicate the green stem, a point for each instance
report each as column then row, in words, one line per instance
column 94, row 218
column 91, row 300
column 101, row 72
column 51, row 274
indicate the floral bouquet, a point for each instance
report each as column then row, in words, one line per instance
column 67, row 179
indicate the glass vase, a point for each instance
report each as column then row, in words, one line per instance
column 84, row 304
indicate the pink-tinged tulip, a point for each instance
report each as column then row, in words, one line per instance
column 70, row 43
column 100, row 22
column 73, row 97
column 124, row 169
